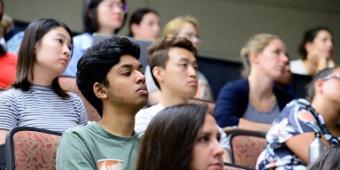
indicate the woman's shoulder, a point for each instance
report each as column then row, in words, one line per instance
column 297, row 67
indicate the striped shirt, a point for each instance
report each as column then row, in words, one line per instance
column 40, row 107
column 261, row 117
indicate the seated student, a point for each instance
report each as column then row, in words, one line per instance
column 181, row 137
column 110, row 77
column 36, row 99
column 292, row 132
column 174, row 70
column 144, row 25
column 104, row 17
column 254, row 102
column 328, row 160
column 184, row 27
column 316, row 50
column 8, row 63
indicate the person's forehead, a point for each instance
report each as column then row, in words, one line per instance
column 127, row 59
column 177, row 53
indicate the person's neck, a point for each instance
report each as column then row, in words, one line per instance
column 104, row 31
column 42, row 77
column 261, row 94
column 310, row 65
column 118, row 121
column 330, row 112
column 260, row 86
column 170, row 99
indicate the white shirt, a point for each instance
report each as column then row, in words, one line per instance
column 297, row 67
column 144, row 117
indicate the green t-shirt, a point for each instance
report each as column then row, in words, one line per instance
column 81, row 147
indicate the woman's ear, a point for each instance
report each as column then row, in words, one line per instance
column 134, row 28
column 318, row 86
column 100, row 90
column 253, row 57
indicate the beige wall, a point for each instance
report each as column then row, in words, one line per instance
column 225, row 24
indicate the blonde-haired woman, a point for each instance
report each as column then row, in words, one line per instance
column 255, row 101
column 187, row 27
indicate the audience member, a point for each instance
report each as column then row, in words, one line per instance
column 109, row 76
column 6, row 24
column 174, row 70
column 103, row 17
column 36, row 99
column 316, row 50
column 8, row 63
column 144, row 24
column 253, row 103
column 292, row 132
column 329, row 160
column 173, row 61
column 187, row 27
column 181, row 137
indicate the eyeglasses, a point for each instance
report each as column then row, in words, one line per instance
column 336, row 76
column 112, row 4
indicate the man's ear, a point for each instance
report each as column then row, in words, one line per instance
column 100, row 90
column 158, row 72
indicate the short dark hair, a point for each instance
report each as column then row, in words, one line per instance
column 159, row 52
column 94, row 65
column 169, row 140
column 320, row 75
column 90, row 18
column 137, row 17
column 309, row 36
column 34, row 32
column 328, row 160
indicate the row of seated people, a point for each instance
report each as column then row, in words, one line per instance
column 85, row 96
column 60, row 35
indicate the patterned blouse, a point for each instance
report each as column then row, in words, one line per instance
column 296, row 118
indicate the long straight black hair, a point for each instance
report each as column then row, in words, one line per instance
column 34, row 32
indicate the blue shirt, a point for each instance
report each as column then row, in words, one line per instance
column 80, row 44
column 297, row 117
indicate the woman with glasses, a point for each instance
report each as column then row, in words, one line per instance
column 103, row 17
column 292, row 132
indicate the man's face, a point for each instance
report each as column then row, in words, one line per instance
column 127, row 83
column 180, row 73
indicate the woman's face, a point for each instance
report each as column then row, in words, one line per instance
column 273, row 60
column 207, row 153
column 149, row 28
column 322, row 45
column 110, row 14
column 330, row 87
column 53, row 51
column 190, row 32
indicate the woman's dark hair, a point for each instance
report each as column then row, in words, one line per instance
column 309, row 36
column 320, row 75
column 34, row 32
column 97, row 61
column 168, row 141
column 328, row 160
column 90, row 17
column 137, row 17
